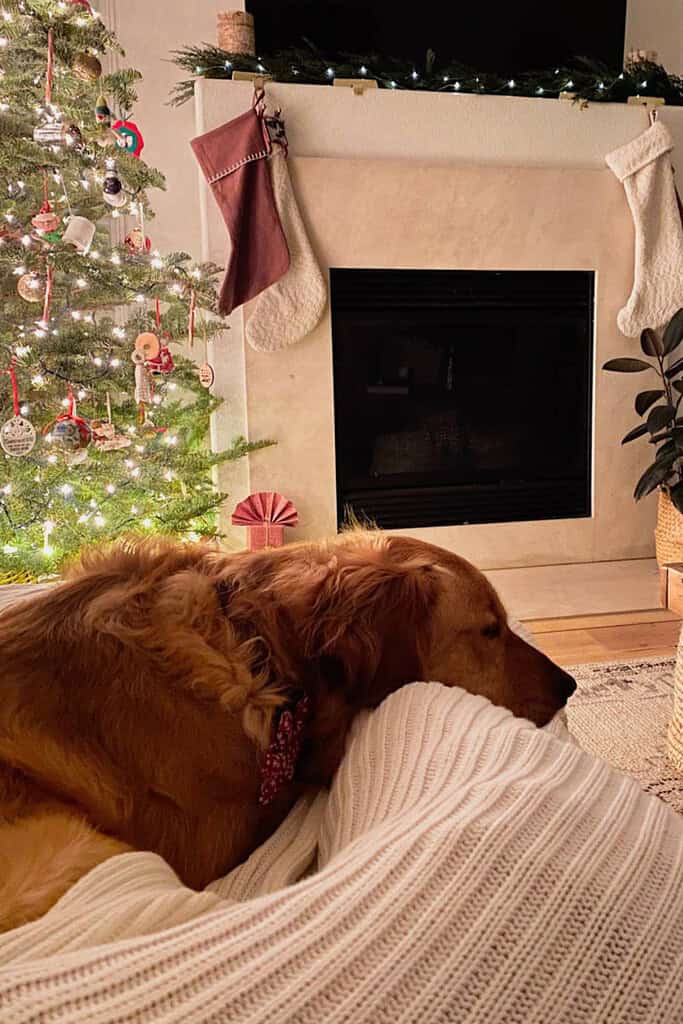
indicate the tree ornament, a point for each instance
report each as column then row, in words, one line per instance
column 46, row 220
column 163, row 362
column 79, row 232
column 129, row 137
column 74, row 138
column 148, row 344
column 17, row 436
column 207, row 375
column 87, row 67
column 104, row 435
column 136, row 241
column 70, row 431
column 31, row 287
column 112, row 188
column 102, row 112
column 50, row 133
column 144, row 385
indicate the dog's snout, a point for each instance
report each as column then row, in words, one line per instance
column 565, row 685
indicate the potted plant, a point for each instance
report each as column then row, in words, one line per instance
column 659, row 407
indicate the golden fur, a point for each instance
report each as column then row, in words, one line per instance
column 134, row 707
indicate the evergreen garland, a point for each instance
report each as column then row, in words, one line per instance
column 587, row 80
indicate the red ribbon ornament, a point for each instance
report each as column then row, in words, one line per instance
column 12, row 373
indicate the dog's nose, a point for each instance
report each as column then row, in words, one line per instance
column 565, row 685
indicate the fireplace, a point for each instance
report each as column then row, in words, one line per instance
column 462, row 396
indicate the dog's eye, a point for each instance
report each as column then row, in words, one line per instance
column 492, row 631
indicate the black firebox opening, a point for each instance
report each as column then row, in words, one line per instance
column 462, row 396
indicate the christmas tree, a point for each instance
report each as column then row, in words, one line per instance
column 103, row 424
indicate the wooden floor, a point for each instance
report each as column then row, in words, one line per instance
column 616, row 637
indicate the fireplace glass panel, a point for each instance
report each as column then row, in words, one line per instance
column 462, row 396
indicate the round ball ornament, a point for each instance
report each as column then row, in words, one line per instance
column 87, row 67
column 31, row 287
column 148, row 344
column 71, row 433
column 113, row 189
column 17, row 437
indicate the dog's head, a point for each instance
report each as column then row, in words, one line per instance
column 353, row 620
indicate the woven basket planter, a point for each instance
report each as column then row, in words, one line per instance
column 675, row 734
column 669, row 531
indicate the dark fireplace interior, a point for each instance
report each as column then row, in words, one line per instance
column 462, row 396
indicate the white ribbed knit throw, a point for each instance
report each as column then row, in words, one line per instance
column 289, row 310
column 471, row 869
column 644, row 166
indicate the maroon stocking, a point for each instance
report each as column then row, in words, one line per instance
column 232, row 159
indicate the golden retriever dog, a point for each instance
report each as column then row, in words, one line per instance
column 178, row 699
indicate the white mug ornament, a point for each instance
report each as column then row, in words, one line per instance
column 79, row 232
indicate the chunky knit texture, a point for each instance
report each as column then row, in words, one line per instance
column 471, row 868
column 644, row 167
column 292, row 307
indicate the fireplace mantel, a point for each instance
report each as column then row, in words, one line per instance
column 438, row 182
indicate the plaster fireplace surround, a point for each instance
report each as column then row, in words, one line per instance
column 436, row 182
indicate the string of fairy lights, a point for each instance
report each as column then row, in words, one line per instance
column 587, row 80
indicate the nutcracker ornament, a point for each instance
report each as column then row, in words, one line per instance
column 113, row 192
column 144, row 385
column 163, row 361
column 17, row 435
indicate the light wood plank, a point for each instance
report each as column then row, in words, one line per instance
column 538, row 626
column 611, row 643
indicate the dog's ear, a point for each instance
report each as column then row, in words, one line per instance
column 368, row 620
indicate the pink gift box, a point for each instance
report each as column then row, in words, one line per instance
column 265, row 516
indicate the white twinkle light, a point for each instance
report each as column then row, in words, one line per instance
column 9, row 550
column 110, row 489
column 98, row 361
column 147, row 523
column 38, row 380
column 67, row 490
column 115, row 363
column 51, row 458
column 157, row 263
column 116, row 259
column 99, row 521
column 26, row 241
column 65, row 403
column 82, row 394
column 511, row 83
column 140, row 298
column 24, row 409
column 118, row 332
column 81, row 282
column 7, row 489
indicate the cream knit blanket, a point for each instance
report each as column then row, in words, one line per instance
column 471, row 868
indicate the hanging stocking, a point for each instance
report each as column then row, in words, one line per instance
column 644, row 166
column 289, row 310
column 232, row 159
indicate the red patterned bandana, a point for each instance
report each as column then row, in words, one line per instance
column 280, row 760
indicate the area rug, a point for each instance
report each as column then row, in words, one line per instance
column 620, row 712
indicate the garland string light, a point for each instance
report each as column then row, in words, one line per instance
column 587, row 80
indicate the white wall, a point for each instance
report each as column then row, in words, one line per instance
column 149, row 30
column 656, row 25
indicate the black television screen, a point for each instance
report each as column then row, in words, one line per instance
column 493, row 36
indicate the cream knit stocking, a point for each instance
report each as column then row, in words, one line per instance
column 644, row 166
column 289, row 309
